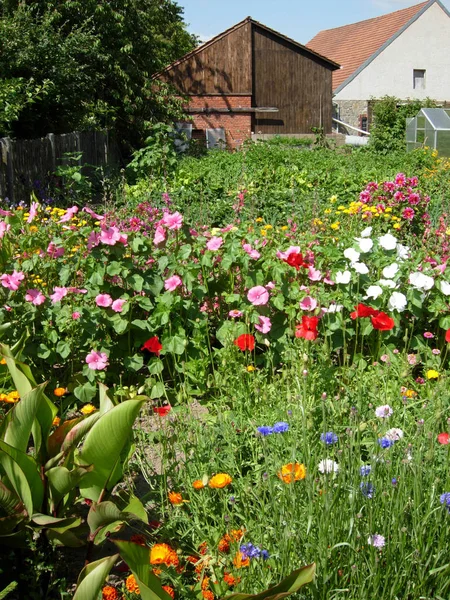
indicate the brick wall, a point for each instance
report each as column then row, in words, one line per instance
column 237, row 125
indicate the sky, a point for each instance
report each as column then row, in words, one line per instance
column 297, row 19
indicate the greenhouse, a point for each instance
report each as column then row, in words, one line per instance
column 431, row 127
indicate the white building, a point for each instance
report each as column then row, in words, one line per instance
column 404, row 54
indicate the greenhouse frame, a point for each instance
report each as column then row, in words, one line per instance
column 431, row 128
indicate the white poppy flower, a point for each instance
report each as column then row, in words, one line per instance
column 421, row 281
column 397, row 302
column 343, row 277
column 388, row 283
column 388, row 241
column 360, row 268
column 402, row 252
column 334, row 308
column 328, row 466
column 373, row 292
column 445, row 288
column 391, row 271
column 366, row 232
column 365, row 244
column 351, row 254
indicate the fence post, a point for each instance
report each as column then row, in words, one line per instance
column 8, row 159
column 51, row 139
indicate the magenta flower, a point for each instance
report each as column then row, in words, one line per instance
column 265, row 324
column 70, row 212
column 308, row 303
column 59, row 294
column 235, row 314
column 103, row 300
column 110, row 236
column 172, row 221
column 172, row 283
column 4, row 227
column 97, row 360
column 258, row 295
column 93, row 240
column 76, row 315
column 214, row 243
column 160, row 235
column 12, row 281
column 33, row 211
column 118, row 305
column 408, row 213
column 36, row 297
column 428, row 335
column 54, row 251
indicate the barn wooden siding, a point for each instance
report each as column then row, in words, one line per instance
column 296, row 82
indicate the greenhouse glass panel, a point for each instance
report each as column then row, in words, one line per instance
column 443, row 143
column 437, row 117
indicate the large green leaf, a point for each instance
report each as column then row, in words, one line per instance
column 291, row 584
column 79, row 431
column 62, row 481
column 104, row 444
column 22, row 473
column 105, row 402
column 9, row 501
column 105, row 513
column 23, row 414
column 56, row 439
column 92, row 578
column 8, row 589
column 137, row 558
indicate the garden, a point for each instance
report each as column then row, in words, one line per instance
column 229, row 379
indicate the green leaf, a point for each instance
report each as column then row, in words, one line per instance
column 57, row 523
column 9, row 501
column 64, row 349
column 23, row 473
column 64, row 538
column 291, row 584
column 105, row 401
column 155, row 366
column 85, row 392
column 134, row 363
column 140, row 324
column 114, row 268
column 136, row 282
column 444, row 322
column 8, row 589
column 61, row 481
column 175, row 344
column 104, row 444
column 158, row 390
column 184, row 252
column 92, row 578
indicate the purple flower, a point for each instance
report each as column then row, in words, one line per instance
column 265, row 430
column 394, row 481
column 328, row 438
column 376, row 540
column 445, row 500
column 367, row 489
column 383, row 411
column 365, row 470
column 385, row 442
column 280, row 427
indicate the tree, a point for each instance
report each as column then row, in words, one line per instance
column 88, row 64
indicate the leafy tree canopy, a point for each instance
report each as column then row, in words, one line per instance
column 69, row 64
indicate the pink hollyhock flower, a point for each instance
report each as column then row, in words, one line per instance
column 12, row 281
column 251, row 251
column 97, row 360
column 270, row 285
column 33, row 211
column 5, row 213
column 93, row 214
column 103, row 300
column 308, row 303
column 93, row 240
column 314, row 274
column 290, row 250
column 74, row 290
column 110, row 236
column 264, row 325
column 235, row 314
column 54, row 251
column 172, row 221
column 160, row 235
column 76, row 315
column 258, row 295
column 35, row 297
column 214, row 243
column 4, row 227
column 118, row 305
column 70, row 212
column 59, row 294
column 172, row 283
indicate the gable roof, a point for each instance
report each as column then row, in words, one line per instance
column 330, row 63
column 355, row 46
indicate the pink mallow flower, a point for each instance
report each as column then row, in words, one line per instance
column 59, row 294
column 172, row 221
column 264, row 325
column 54, row 251
column 4, row 227
column 36, row 297
column 235, row 313
column 103, row 300
column 172, row 283
column 12, row 281
column 118, row 305
column 93, row 240
column 160, row 235
column 251, row 251
column 33, row 211
column 314, row 274
column 308, row 303
column 94, row 215
column 214, row 243
column 258, row 295
column 70, row 212
column 76, row 315
column 111, row 235
column 96, row 360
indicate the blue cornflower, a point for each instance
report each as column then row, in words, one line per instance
column 264, row 554
column 367, row 489
column 385, row 442
column 280, row 427
column 329, row 438
column 445, row 500
column 394, row 481
column 265, row 430
column 250, row 551
column 365, row 470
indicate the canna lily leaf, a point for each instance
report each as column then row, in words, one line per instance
column 92, row 578
column 9, row 501
column 78, row 432
column 62, row 481
column 105, row 513
column 22, row 416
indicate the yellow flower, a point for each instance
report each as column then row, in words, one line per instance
column 163, row 554
column 259, row 220
column 239, row 561
column 268, row 226
column 335, row 225
column 292, row 472
column 12, row 397
column 33, row 228
column 88, row 409
column 284, row 228
column 333, row 199
column 220, row 480
column 56, row 421
column 3, row 361
column 263, row 232
column 251, row 368
column 397, row 226
column 327, row 211
column 432, row 374
column 59, row 391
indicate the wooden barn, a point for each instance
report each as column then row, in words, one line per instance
column 252, row 79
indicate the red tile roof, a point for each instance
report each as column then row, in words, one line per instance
column 352, row 45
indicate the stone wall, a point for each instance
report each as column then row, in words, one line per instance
column 350, row 112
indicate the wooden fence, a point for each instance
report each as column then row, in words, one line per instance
column 26, row 162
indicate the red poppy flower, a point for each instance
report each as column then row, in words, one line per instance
column 447, row 336
column 162, row 411
column 443, row 438
column 295, row 259
column 307, row 329
column 383, row 322
column 246, row 341
column 362, row 310
column 153, row 345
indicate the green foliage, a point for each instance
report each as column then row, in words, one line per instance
column 389, row 115
column 158, row 158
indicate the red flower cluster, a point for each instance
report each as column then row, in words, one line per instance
column 380, row 320
column 295, row 259
column 246, row 341
column 307, row 329
column 443, row 438
column 153, row 345
column 447, row 336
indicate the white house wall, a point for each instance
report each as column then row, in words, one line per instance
column 423, row 45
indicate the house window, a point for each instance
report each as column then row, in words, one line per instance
column 363, row 123
column 419, row 79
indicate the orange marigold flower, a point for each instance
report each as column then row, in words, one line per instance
column 224, row 544
column 157, row 572
column 3, row 361
column 240, row 561
column 292, row 472
column 203, row 548
column 60, row 391
column 205, row 583
column 163, row 554
column 169, row 590
column 139, row 539
column 110, row 593
column 236, row 535
column 131, row 584
column 12, row 397
column 208, row 595
column 198, row 484
column 56, row 421
column 87, row 409
column 220, row 480
column 175, row 498
column 230, row 579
